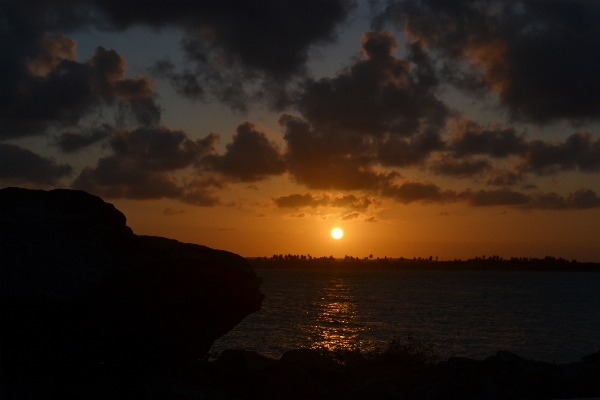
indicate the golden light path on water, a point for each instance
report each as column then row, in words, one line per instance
column 338, row 322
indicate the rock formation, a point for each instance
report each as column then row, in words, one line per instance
column 77, row 283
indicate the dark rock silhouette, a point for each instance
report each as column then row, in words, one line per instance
column 311, row 374
column 76, row 283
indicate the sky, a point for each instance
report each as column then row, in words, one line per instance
column 451, row 129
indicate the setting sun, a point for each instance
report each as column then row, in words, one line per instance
column 337, row 233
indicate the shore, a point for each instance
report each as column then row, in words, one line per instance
column 399, row 372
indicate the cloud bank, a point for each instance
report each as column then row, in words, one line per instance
column 380, row 118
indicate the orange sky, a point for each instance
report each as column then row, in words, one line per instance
column 238, row 128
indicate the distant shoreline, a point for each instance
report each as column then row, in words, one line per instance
column 493, row 263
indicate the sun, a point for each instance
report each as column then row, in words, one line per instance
column 337, row 233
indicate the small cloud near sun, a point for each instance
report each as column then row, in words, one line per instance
column 169, row 211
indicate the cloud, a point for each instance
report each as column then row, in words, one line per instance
column 500, row 177
column 169, row 211
column 143, row 163
column 21, row 166
column 326, row 160
column 583, row 198
column 73, row 141
column 250, row 156
column 224, row 60
column 377, row 95
column 309, row 200
column 540, row 58
column 487, row 198
column 43, row 86
column 401, row 152
column 495, row 140
column 352, row 215
column 450, row 166
column 350, row 201
column 578, row 200
column 578, row 151
column 55, row 48
column 297, row 201
column 379, row 111
column 410, row 192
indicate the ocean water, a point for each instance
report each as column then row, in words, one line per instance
column 546, row 316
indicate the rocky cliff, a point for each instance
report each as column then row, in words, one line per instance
column 77, row 283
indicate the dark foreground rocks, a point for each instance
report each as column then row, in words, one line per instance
column 310, row 374
column 76, row 284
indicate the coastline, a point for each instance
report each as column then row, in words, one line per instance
column 424, row 264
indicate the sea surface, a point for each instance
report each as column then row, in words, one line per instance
column 546, row 316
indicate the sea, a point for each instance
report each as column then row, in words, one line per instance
column 545, row 316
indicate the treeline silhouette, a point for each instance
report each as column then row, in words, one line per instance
column 483, row 263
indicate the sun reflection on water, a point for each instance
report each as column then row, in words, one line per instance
column 338, row 323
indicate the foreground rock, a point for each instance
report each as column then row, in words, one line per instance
column 310, row 374
column 77, row 284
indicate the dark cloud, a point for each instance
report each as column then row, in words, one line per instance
column 250, row 156
column 499, row 177
column 309, row 200
column 379, row 111
column 460, row 168
column 540, row 57
column 410, row 192
column 486, row 198
column 22, row 166
column 68, row 90
column 400, row 152
column 199, row 196
column 42, row 85
column 73, row 141
column 55, row 48
column 546, row 201
column 583, row 198
column 579, row 151
column 114, row 177
column 470, row 138
column 231, row 45
column 579, row 199
column 159, row 149
column 378, row 95
column 329, row 160
column 271, row 36
column 143, row 163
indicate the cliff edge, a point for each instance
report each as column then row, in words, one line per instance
column 77, row 283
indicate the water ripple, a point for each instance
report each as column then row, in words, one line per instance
column 550, row 316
